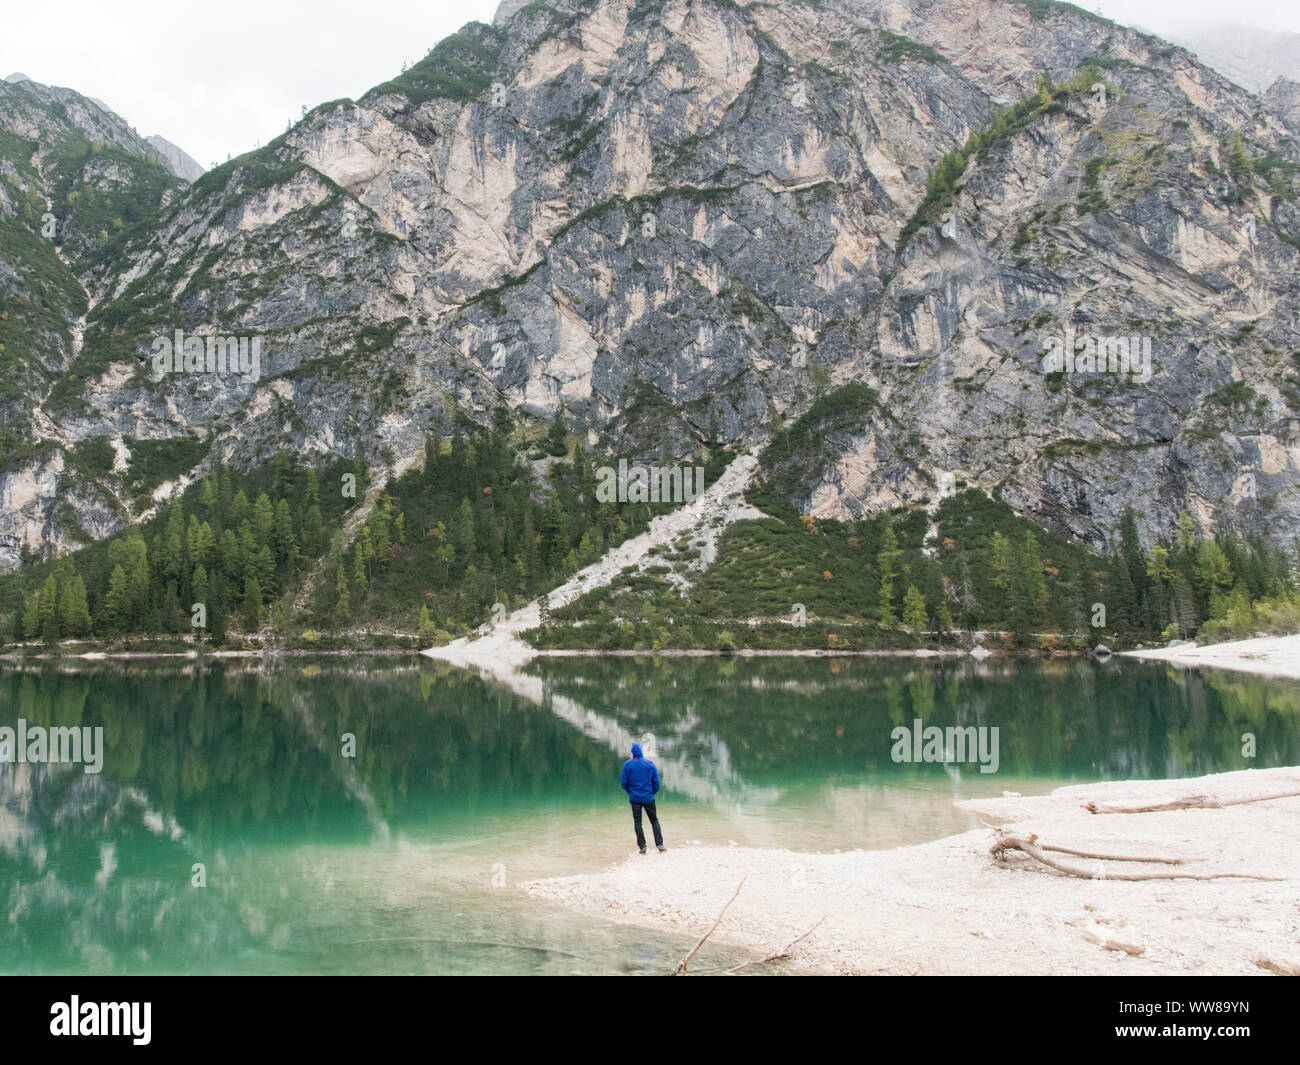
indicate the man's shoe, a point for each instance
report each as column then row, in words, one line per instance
column 662, row 849
column 642, row 851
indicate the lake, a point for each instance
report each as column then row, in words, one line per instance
column 229, row 832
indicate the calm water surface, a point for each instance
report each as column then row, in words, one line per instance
column 407, row 858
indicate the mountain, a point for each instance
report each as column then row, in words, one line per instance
column 74, row 177
column 95, row 120
column 175, row 159
column 1251, row 57
column 690, row 218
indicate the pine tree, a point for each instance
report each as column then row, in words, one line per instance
column 240, row 508
column 247, row 548
column 263, row 520
column 48, row 615
column 915, row 619
column 583, row 470
column 425, row 627
column 225, row 487
column 227, row 553
column 887, row 566
column 313, row 532
column 262, row 566
column 199, row 585
column 943, row 618
column 173, row 543
column 462, row 530
column 1212, row 571
column 32, row 616
column 377, row 527
column 555, row 532
column 1183, row 610
column 342, row 601
column 252, row 604
column 444, row 552
column 1001, row 562
column 285, row 542
column 217, row 609
column 198, row 540
column 1130, row 549
column 1035, row 582
column 282, row 473
column 557, row 442
column 138, row 583
column 115, row 611
column 969, row 604
column 74, row 612
column 1124, row 612
column 359, row 563
column 1018, row 606
column 1160, row 576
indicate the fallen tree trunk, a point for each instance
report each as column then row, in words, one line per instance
column 1191, row 802
column 1029, row 845
column 1111, row 857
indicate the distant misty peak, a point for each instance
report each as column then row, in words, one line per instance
column 176, row 159
column 1250, row 56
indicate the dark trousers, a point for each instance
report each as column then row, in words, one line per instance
column 649, row 808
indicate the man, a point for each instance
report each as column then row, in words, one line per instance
column 640, row 780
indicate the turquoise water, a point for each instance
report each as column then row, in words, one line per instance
column 408, row 857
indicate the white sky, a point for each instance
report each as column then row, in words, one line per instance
column 218, row 78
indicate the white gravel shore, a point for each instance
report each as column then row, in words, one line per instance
column 1273, row 656
column 947, row 908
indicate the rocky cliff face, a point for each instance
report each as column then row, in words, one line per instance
column 175, row 159
column 672, row 217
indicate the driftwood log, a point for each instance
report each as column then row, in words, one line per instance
column 1006, row 841
column 1191, row 802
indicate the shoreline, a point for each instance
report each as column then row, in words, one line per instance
column 477, row 659
column 194, row 656
column 1268, row 656
column 492, row 651
column 1271, row 656
column 947, row 908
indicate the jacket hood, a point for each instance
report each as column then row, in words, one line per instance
column 636, row 750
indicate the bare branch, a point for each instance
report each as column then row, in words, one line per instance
column 1112, row 857
column 780, row 955
column 681, row 965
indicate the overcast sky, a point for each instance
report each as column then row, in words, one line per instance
column 219, row 78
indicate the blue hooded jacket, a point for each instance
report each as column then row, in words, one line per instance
column 640, row 778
